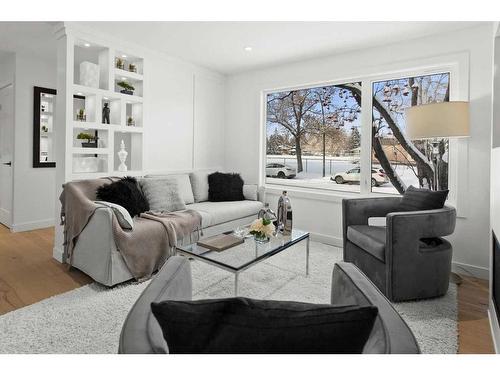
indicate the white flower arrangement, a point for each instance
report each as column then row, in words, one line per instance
column 262, row 228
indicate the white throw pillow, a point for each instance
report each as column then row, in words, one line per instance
column 162, row 194
column 122, row 215
column 199, row 183
column 250, row 192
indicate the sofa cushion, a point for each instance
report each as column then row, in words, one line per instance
column 214, row 213
column 369, row 238
column 415, row 199
column 184, row 185
column 244, row 325
column 224, row 187
column 126, row 193
column 199, row 185
column 162, row 194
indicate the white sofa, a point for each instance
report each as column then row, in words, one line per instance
column 96, row 254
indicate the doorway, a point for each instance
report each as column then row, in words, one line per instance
column 6, row 153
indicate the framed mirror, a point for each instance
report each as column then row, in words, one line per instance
column 44, row 101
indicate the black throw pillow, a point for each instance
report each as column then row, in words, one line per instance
column 126, row 193
column 248, row 326
column 415, row 199
column 225, row 187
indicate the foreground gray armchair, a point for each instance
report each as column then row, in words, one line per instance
column 141, row 333
column 408, row 258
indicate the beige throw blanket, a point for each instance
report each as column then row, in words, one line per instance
column 145, row 248
column 153, row 239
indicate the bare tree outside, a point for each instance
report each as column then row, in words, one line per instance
column 409, row 161
column 314, row 135
column 315, row 125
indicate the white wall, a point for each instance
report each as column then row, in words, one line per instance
column 33, row 192
column 322, row 215
column 184, row 116
column 33, row 187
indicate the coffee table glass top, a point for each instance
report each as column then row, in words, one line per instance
column 242, row 256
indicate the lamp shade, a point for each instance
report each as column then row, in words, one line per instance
column 438, row 120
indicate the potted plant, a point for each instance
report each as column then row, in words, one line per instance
column 130, row 121
column 80, row 115
column 45, row 129
column 120, row 64
column 91, row 139
column 127, row 88
column 132, row 68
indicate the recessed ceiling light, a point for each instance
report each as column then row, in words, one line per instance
column 248, row 49
column 79, row 93
column 124, row 78
column 124, row 56
column 86, row 45
column 105, row 98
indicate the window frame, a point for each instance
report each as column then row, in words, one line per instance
column 457, row 65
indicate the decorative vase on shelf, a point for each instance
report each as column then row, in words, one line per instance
column 89, row 74
column 122, row 155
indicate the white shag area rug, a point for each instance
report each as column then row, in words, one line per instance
column 89, row 319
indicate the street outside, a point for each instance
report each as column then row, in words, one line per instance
column 312, row 176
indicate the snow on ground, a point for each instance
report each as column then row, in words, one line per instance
column 313, row 171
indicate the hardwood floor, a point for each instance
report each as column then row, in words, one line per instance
column 29, row 274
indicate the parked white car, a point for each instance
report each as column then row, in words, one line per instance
column 353, row 175
column 280, row 170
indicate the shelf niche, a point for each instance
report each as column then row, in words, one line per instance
column 95, row 54
column 134, row 111
column 88, row 104
column 85, row 163
column 114, row 105
column 133, row 145
column 102, row 141
column 127, row 60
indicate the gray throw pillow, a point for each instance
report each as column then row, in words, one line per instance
column 250, row 192
column 122, row 215
column 184, row 185
column 199, row 183
column 162, row 194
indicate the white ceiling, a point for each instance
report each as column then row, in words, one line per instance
column 28, row 38
column 220, row 45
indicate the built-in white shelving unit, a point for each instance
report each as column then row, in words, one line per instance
column 86, row 98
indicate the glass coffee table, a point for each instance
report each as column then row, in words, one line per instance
column 241, row 257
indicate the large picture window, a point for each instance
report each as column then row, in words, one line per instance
column 313, row 136
column 407, row 162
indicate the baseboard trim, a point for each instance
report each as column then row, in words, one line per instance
column 326, row 239
column 32, row 225
column 57, row 253
column 470, row 270
column 494, row 327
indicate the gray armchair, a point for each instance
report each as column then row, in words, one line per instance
column 141, row 333
column 407, row 259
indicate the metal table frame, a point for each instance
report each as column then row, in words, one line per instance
column 237, row 271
